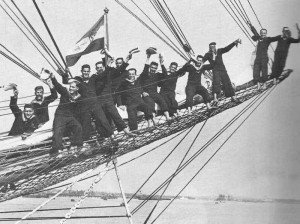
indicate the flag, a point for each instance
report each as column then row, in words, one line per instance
column 93, row 40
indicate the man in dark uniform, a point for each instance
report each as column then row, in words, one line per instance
column 106, row 75
column 149, row 81
column 281, row 52
column 41, row 103
column 261, row 59
column 89, row 104
column 220, row 75
column 131, row 93
column 118, row 80
column 25, row 121
column 168, row 86
column 194, row 85
column 65, row 117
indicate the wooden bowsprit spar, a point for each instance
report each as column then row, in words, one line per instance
column 35, row 174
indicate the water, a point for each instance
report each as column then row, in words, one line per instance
column 180, row 212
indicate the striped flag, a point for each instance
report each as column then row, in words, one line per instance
column 93, row 40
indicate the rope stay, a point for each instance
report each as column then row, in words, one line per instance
column 179, row 165
column 35, row 46
column 161, row 163
column 153, row 31
column 98, row 178
column 213, row 155
column 35, row 35
column 195, row 155
column 51, row 198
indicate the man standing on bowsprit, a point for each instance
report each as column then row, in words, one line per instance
column 194, row 85
column 89, row 105
column 149, row 81
column 220, row 75
column 261, row 59
column 106, row 75
column 281, row 52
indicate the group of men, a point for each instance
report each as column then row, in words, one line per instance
column 96, row 96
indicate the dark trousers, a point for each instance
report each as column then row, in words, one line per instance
column 260, row 70
column 94, row 109
column 278, row 64
column 112, row 113
column 60, row 125
column 169, row 98
column 191, row 90
column 132, row 110
column 156, row 98
column 222, row 78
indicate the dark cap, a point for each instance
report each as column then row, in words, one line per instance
column 199, row 56
column 212, row 43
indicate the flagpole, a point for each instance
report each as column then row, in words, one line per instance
column 106, row 39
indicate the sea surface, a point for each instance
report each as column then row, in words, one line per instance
column 180, row 212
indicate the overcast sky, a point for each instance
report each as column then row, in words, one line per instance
column 261, row 160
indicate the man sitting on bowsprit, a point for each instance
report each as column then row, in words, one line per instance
column 25, row 121
column 131, row 94
column 65, row 116
column 40, row 103
column 149, row 81
column 89, row 105
column 105, row 76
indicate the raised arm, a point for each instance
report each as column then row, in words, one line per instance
column 53, row 95
column 59, row 88
column 256, row 36
column 229, row 47
column 293, row 40
column 13, row 104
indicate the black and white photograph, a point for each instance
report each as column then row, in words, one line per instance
column 150, row 111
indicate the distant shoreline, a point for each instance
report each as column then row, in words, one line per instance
column 217, row 199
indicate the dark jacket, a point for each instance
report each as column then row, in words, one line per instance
column 21, row 124
column 283, row 45
column 105, row 80
column 41, row 109
column 168, row 80
column 149, row 81
column 218, row 64
column 194, row 74
column 67, row 105
column 262, row 43
column 131, row 92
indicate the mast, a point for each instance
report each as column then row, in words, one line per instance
column 106, row 38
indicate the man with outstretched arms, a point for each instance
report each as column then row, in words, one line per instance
column 196, row 68
column 260, row 67
column 220, row 75
column 149, row 81
column 105, row 76
column 281, row 52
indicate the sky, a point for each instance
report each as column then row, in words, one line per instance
column 260, row 160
